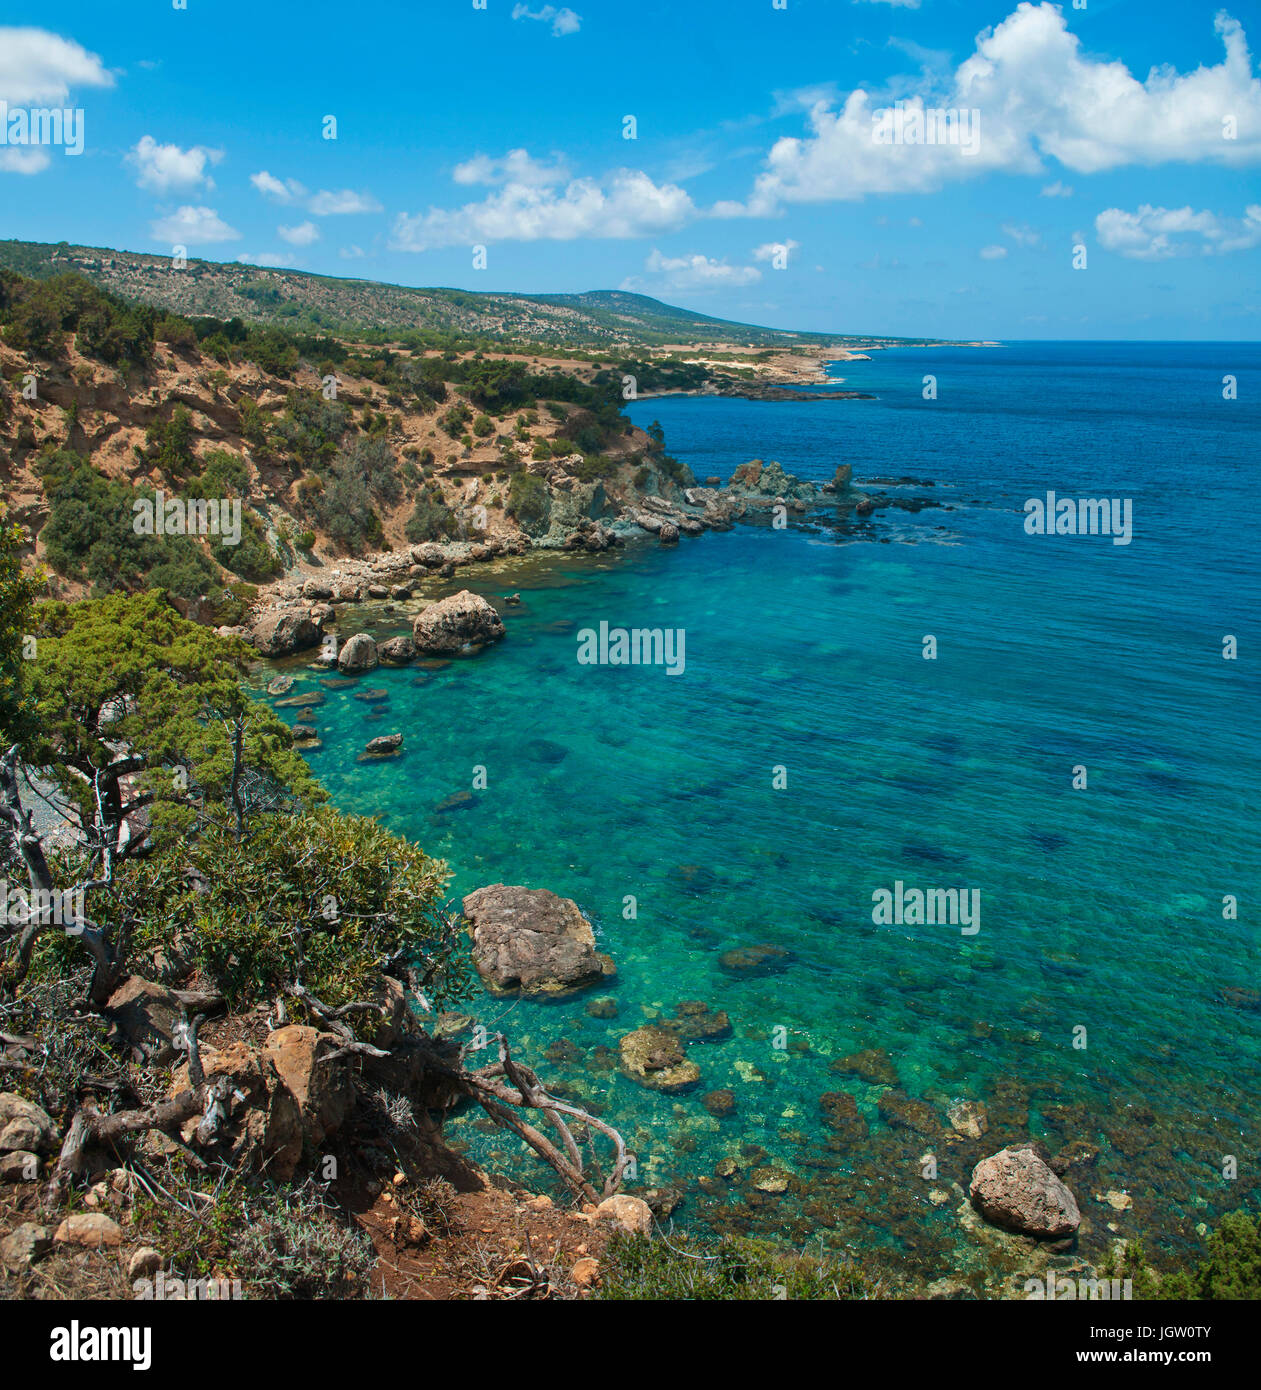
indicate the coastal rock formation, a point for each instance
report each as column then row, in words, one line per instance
column 1016, row 1190
column 396, row 651
column 358, row 654
column 283, row 631
column 387, row 743
column 453, row 623
column 655, row 1058
column 531, row 940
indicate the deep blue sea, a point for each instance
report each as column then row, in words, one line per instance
column 1106, row 1001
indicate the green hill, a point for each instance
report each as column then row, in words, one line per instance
column 328, row 304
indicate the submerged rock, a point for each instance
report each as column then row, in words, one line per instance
column 899, row 1111
column 694, row 1021
column 655, row 1058
column 841, row 1115
column 1016, row 1190
column 531, row 940
column 969, row 1118
column 873, row 1065
column 720, row 1104
column 454, row 623
column 756, row 961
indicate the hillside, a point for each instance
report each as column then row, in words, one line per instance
column 307, row 302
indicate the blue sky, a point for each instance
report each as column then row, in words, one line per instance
column 757, row 187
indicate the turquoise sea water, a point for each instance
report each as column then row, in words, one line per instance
column 1101, row 908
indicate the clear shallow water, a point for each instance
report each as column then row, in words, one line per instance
column 1100, row 908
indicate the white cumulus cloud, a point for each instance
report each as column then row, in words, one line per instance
column 326, row 204
column 1158, row 234
column 286, row 191
column 166, row 167
column 290, row 193
column 192, row 226
column 627, row 204
column 696, row 272
column 40, row 67
column 1039, row 95
column 514, row 167
column 302, row 235
column 563, row 21
column 993, row 253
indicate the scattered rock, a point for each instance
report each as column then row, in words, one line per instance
column 841, row 1115
column 89, row 1229
column 24, row 1246
column 771, row 1180
column 24, row 1126
column 358, row 654
column 396, row 651
column 387, row 743
column 694, row 1021
column 1016, row 1190
column 284, row 631
column 720, row 1104
column 586, row 1273
column 899, row 1111
column 304, row 733
column 144, row 1263
column 654, row 1057
column 145, row 1015
column 873, row 1065
column 604, row 1007
column 755, row 961
column 453, row 623
column 531, row 940
column 280, row 685
column 19, row 1166
column 630, row 1213
column 969, row 1118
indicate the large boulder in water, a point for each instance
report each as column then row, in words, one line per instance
column 1016, row 1190
column 530, row 940
column 284, row 631
column 359, row 654
column 453, row 623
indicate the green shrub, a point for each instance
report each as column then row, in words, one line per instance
column 528, row 500
column 357, row 893
column 639, row 1268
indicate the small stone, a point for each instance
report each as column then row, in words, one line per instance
column 25, row 1246
column 586, row 1273
column 89, row 1229
column 969, row 1118
column 144, row 1262
column 719, row 1103
column 771, row 1180
column 630, row 1213
column 19, row 1166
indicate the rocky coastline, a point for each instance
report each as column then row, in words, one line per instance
column 296, row 612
